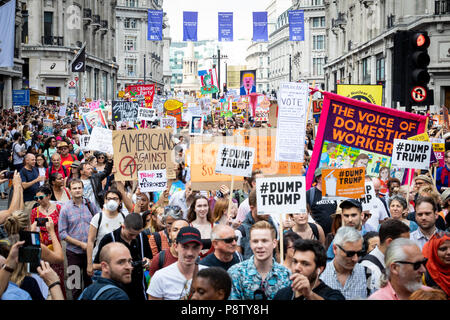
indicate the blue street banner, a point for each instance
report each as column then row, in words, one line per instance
column 260, row 32
column 225, row 26
column 7, row 28
column 155, row 22
column 296, row 25
column 21, row 97
column 190, row 23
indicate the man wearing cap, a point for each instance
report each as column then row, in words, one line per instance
column 174, row 281
column 420, row 181
column 321, row 210
column 443, row 174
column 66, row 157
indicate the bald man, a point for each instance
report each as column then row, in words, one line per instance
column 115, row 259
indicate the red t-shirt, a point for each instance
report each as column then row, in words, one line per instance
column 67, row 161
column 61, row 171
column 168, row 260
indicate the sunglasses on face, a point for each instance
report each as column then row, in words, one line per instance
column 350, row 254
column 416, row 265
column 228, row 240
column 36, row 198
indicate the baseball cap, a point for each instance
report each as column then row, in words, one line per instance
column 352, row 202
column 189, row 234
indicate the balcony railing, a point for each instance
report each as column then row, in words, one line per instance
column 52, row 41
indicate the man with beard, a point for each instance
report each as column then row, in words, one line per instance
column 308, row 263
column 116, row 271
column 426, row 217
column 405, row 265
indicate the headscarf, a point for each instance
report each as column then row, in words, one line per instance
column 438, row 271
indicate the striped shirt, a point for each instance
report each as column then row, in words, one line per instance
column 74, row 221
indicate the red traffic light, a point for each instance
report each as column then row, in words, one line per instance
column 421, row 40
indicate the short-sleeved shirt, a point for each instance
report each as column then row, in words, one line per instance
column 107, row 225
column 16, row 149
column 212, row 261
column 321, row 290
column 28, row 176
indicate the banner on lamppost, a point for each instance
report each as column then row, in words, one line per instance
column 225, row 26
column 260, row 31
column 155, row 22
column 296, row 25
column 190, row 23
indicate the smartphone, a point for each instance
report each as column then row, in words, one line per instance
column 41, row 222
column 30, row 238
column 30, row 252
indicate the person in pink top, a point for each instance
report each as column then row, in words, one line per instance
column 405, row 265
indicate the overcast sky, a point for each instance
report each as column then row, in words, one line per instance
column 207, row 16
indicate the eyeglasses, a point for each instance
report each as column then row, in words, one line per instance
column 228, row 240
column 416, row 265
column 36, row 198
column 351, row 253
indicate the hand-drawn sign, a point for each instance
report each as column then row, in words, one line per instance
column 127, row 166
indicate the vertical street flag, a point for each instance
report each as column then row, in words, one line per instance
column 7, row 23
column 79, row 62
column 260, row 32
column 190, row 22
column 155, row 22
column 296, row 25
column 225, row 26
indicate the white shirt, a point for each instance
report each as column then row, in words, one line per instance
column 376, row 272
column 169, row 283
column 378, row 213
column 107, row 225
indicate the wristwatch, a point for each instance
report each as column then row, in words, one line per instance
column 7, row 268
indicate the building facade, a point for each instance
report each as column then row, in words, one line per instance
column 52, row 34
column 360, row 42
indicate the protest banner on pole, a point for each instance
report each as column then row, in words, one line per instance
column 146, row 114
column 101, row 140
column 235, row 160
column 125, row 110
column 281, row 194
column 355, row 131
column 411, row 154
column 341, row 184
column 140, row 150
column 152, row 180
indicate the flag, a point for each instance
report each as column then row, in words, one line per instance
column 7, row 31
column 155, row 25
column 190, row 23
column 296, row 25
column 79, row 62
column 260, row 31
column 225, row 26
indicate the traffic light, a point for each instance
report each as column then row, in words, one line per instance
column 410, row 73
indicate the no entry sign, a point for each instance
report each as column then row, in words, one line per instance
column 418, row 94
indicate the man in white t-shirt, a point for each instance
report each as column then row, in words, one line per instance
column 174, row 281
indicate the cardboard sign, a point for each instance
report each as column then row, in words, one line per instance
column 169, row 123
column 340, row 184
column 281, row 195
column 125, row 110
column 411, row 154
column 84, row 141
column 368, row 200
column 101, row 140
column 141, row 150
column 152, row 180
column 146, row 114
column 235, row 160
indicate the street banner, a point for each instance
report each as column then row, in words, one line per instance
column 152, row 180
column 411, row 154
column 79, row 61
column 94, row 119
column 291, row 126
column 7, row 31
column 281, row 195
column 235, row 160
column 296, row 25
column 355, row 133
column 260, row 31
column 101, row 140
column 364, row 92
column 140, row 150
column 248, row 82
column 146, row 114
column 225, row 26
column 341, row 184
column 124, row 110
column 145, row 90
column 190, row 23
column 21, row 97
column 84, row 141
column 208, row 80
column 155, row 25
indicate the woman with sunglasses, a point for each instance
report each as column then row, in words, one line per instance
column 60, row 194
column 437, row 251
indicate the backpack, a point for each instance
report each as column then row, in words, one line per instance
column 100, row 223
column 50, row 167
column 374, row 260
column 99, row 292
column 158, row 241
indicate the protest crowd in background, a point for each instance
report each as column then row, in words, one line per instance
column 78, row 175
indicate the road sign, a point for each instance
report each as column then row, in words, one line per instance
column 418, row 94
column 72, row 84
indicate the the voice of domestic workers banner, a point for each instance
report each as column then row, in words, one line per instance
column 354, row 133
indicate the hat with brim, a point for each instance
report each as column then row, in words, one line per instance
column 62, row 144
column 189, row 234
column 352, row 202
column 445, row 195
column 424, row 177
column 75, row 164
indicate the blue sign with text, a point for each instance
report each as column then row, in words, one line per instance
column 21, row 97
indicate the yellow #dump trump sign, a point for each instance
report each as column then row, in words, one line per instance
column 367, row 93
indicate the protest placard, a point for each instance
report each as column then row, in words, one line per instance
column 101, row 140
column 281, row 195
column 84, row 110
column 439, row 150
column 145, row 90
column 141, row 150
column 94, row 119
column 62, row 111
column 368, row 201
column 355, row 131
column 196, row 127
column 411, row 154
column 17, row 109
column 152, row 180
column 125, row 110
column 146, row 114
column 48, row 127
column 235, row 160
column 169, row 123
column 291, row 126
column 84, row 141
column 339, row 184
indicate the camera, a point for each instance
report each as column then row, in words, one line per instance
column 31, row 251
column 41, row 222
column 219, row 194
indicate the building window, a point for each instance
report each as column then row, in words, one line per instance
column 130, row 67
column 318, row 22
column 318, row 66
column 48, row 24
column 131, row 3
column 130, row 23
column 130, row 43
column 317, row 2
column 380, row 68
column 319, row 42
column 366, row 70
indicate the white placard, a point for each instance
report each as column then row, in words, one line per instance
column 152, row 180
column 291, row 125
column 62, row 111
column 281, row 195
column 84, row 141
column 235, row 160
column 368, row 202
column 146, row 114
column 101, row 140
column 411, row 154
column 170, row 123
